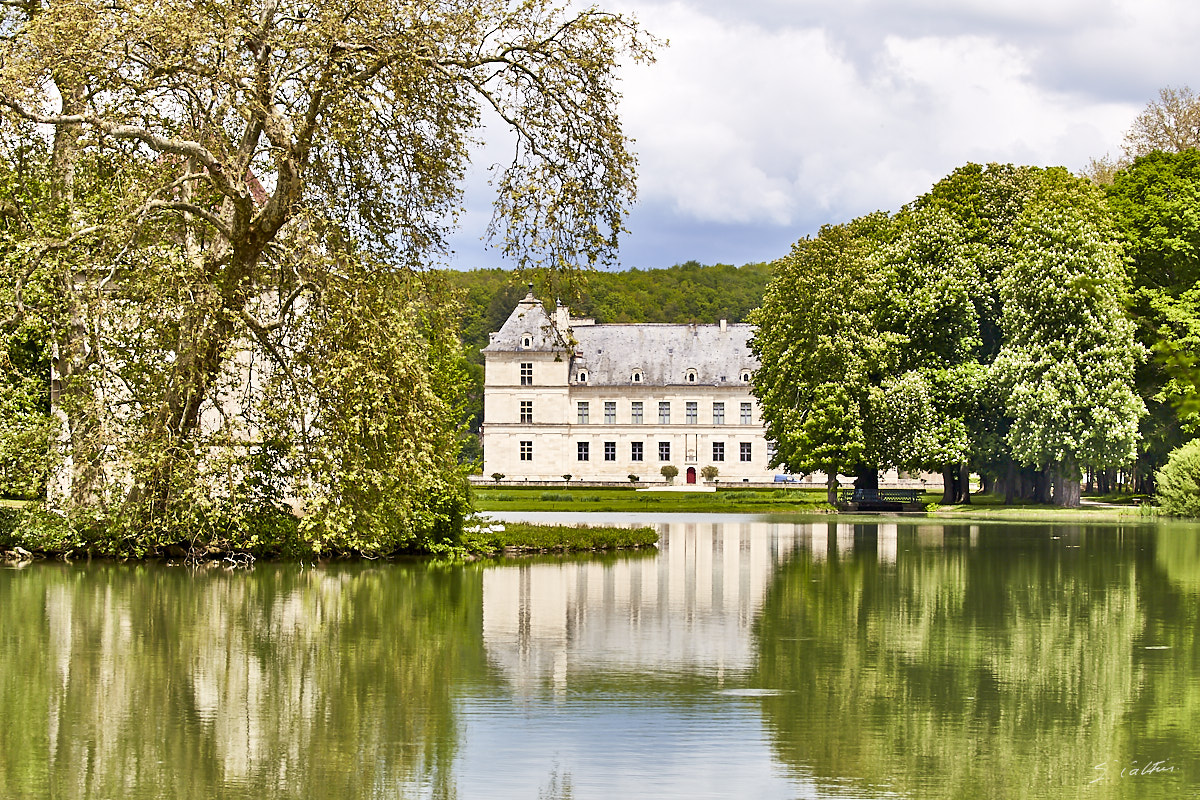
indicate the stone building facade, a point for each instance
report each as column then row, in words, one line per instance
column 564, row 395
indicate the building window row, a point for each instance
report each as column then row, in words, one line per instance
column 691, row 413
column 637, row 451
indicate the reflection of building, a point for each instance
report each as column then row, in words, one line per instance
column 603, row 402
column 543, row 622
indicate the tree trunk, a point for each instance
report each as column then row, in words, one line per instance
column 831, row 487
column 1066, row 484
column 79, row 481
column 1041, row 486
column 949, row 485
column 1010, row 482
column 964, row 483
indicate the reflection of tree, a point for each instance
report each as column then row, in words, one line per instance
column 159, row 682
column 1168, row 718
column 961, row 671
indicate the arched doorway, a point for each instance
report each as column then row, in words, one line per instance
column 691, row 475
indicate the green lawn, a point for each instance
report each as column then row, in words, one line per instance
column 776, row 501
column 621, row 499
column 525, row 538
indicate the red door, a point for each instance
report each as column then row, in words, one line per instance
column 691, row 475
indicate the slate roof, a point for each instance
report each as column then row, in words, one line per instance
column 663, row 353
column 527, row 319
column 610, row 354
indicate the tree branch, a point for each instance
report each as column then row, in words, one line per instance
column 161, row 144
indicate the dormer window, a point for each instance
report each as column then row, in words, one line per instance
column 526, row 341
column 583, row 376
column 690, row 377
column 637, row 376
column 745, row 376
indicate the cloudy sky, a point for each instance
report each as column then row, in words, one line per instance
column 765, row 119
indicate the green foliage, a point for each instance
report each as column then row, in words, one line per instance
column 670, row 472
column 1155, row 203
column 1178, row 482
column 821, row 346
column 709, row 472
column 982, row 323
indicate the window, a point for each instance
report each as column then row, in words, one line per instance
column 581, row 409
column 745, row 448
column 718, row 451
column 610, row 411
column 583, row 376
column 690, row 413
column 718, row 413
column 526, row 341
column 581, row 451
column 745, row 376
column 635, row 451
column 526, row 411
column 635, row 412
column 637, row 376
column 664, row 451
column 691, row 376
column 745, row 413
column 664, row 413
column 527, row 451
column 526, row 373
column 610, row 451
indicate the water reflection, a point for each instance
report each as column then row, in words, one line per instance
column 748, row 656
column 148, row 681
column 689, row 609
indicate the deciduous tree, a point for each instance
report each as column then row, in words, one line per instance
column 219, row 172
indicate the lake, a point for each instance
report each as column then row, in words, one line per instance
column 749, row 656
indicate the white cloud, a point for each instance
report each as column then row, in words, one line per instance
column 766, row 118
column 741, row 124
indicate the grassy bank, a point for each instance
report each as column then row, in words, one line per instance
column 515, row 537
column 32, row 534
column 622, row 499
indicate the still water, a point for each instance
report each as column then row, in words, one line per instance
column 748, row 657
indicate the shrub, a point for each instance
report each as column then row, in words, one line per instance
column 1179, row 482
column 670, row 472
column 633, row 478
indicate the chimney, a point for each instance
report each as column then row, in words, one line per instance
column 562, row 317
column 723, row 325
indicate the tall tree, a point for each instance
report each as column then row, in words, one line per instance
column 1170, row 124
column 246, row 159
column 1068, row 356
column 1156, row 205
column 821, row 348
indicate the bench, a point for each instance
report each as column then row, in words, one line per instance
column 880, row 499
